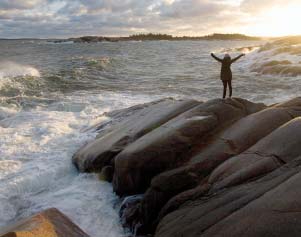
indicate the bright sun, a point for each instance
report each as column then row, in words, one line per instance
column 278, row 22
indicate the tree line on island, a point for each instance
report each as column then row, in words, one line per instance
column 152, row 36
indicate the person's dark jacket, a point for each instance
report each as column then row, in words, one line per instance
column 226, row 73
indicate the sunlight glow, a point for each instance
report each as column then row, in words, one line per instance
column 278, row 21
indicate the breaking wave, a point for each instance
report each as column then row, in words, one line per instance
column 101, row 63
column 281, row 57
column 22, row 83
column 11, row 69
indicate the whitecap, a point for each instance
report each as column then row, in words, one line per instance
column 11, row 69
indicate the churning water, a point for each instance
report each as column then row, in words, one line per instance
column 51, row 93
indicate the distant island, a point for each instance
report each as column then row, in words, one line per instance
column 152, row 37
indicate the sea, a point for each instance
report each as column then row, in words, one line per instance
column 51, row 94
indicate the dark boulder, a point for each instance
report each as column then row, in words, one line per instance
column 278, row 148
column 269, row 206
column 173, row 144
column 171, row 189
column 99, row 153
column 247, row 131
column 244, row 133
column 155, row 198
column 293, row 103
column 206, row 169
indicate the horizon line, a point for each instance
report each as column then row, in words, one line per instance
column 114, row 36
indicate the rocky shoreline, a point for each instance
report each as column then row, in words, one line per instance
column 189, row 168
column 152, row 37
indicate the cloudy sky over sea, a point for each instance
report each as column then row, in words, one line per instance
column 66, row 18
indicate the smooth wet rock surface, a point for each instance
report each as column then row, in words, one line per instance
column 101, row 152
column 268, row 206
column 220, row 168
column 174, row 143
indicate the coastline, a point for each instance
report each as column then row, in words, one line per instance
column 157, row 37
column 185, row 167
column 210, row 150
column 53, row 133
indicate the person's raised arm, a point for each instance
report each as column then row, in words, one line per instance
column 216, row 58
column 238, row 57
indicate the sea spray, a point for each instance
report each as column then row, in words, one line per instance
column 277, row 58
column 36, row 149
column 10, row 69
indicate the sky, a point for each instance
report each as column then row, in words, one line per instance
column 72, row 18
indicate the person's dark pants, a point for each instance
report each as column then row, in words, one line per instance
column 229, row 83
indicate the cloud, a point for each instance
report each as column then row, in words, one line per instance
column 190, row 8
column 18, row 4
column 67, row 18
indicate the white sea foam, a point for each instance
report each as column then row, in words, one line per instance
column 276, row 60
column 36, row 171
column 11, row 69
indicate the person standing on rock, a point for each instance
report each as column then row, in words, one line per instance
column 226, row 73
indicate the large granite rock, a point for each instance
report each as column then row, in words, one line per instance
column 271, row 152
column 173, row 144
column 247, row 131
column 278, row 148
column 221, row 168
column 99, row 153
column 181, row 184
column 268, row 206
column 49, row 223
